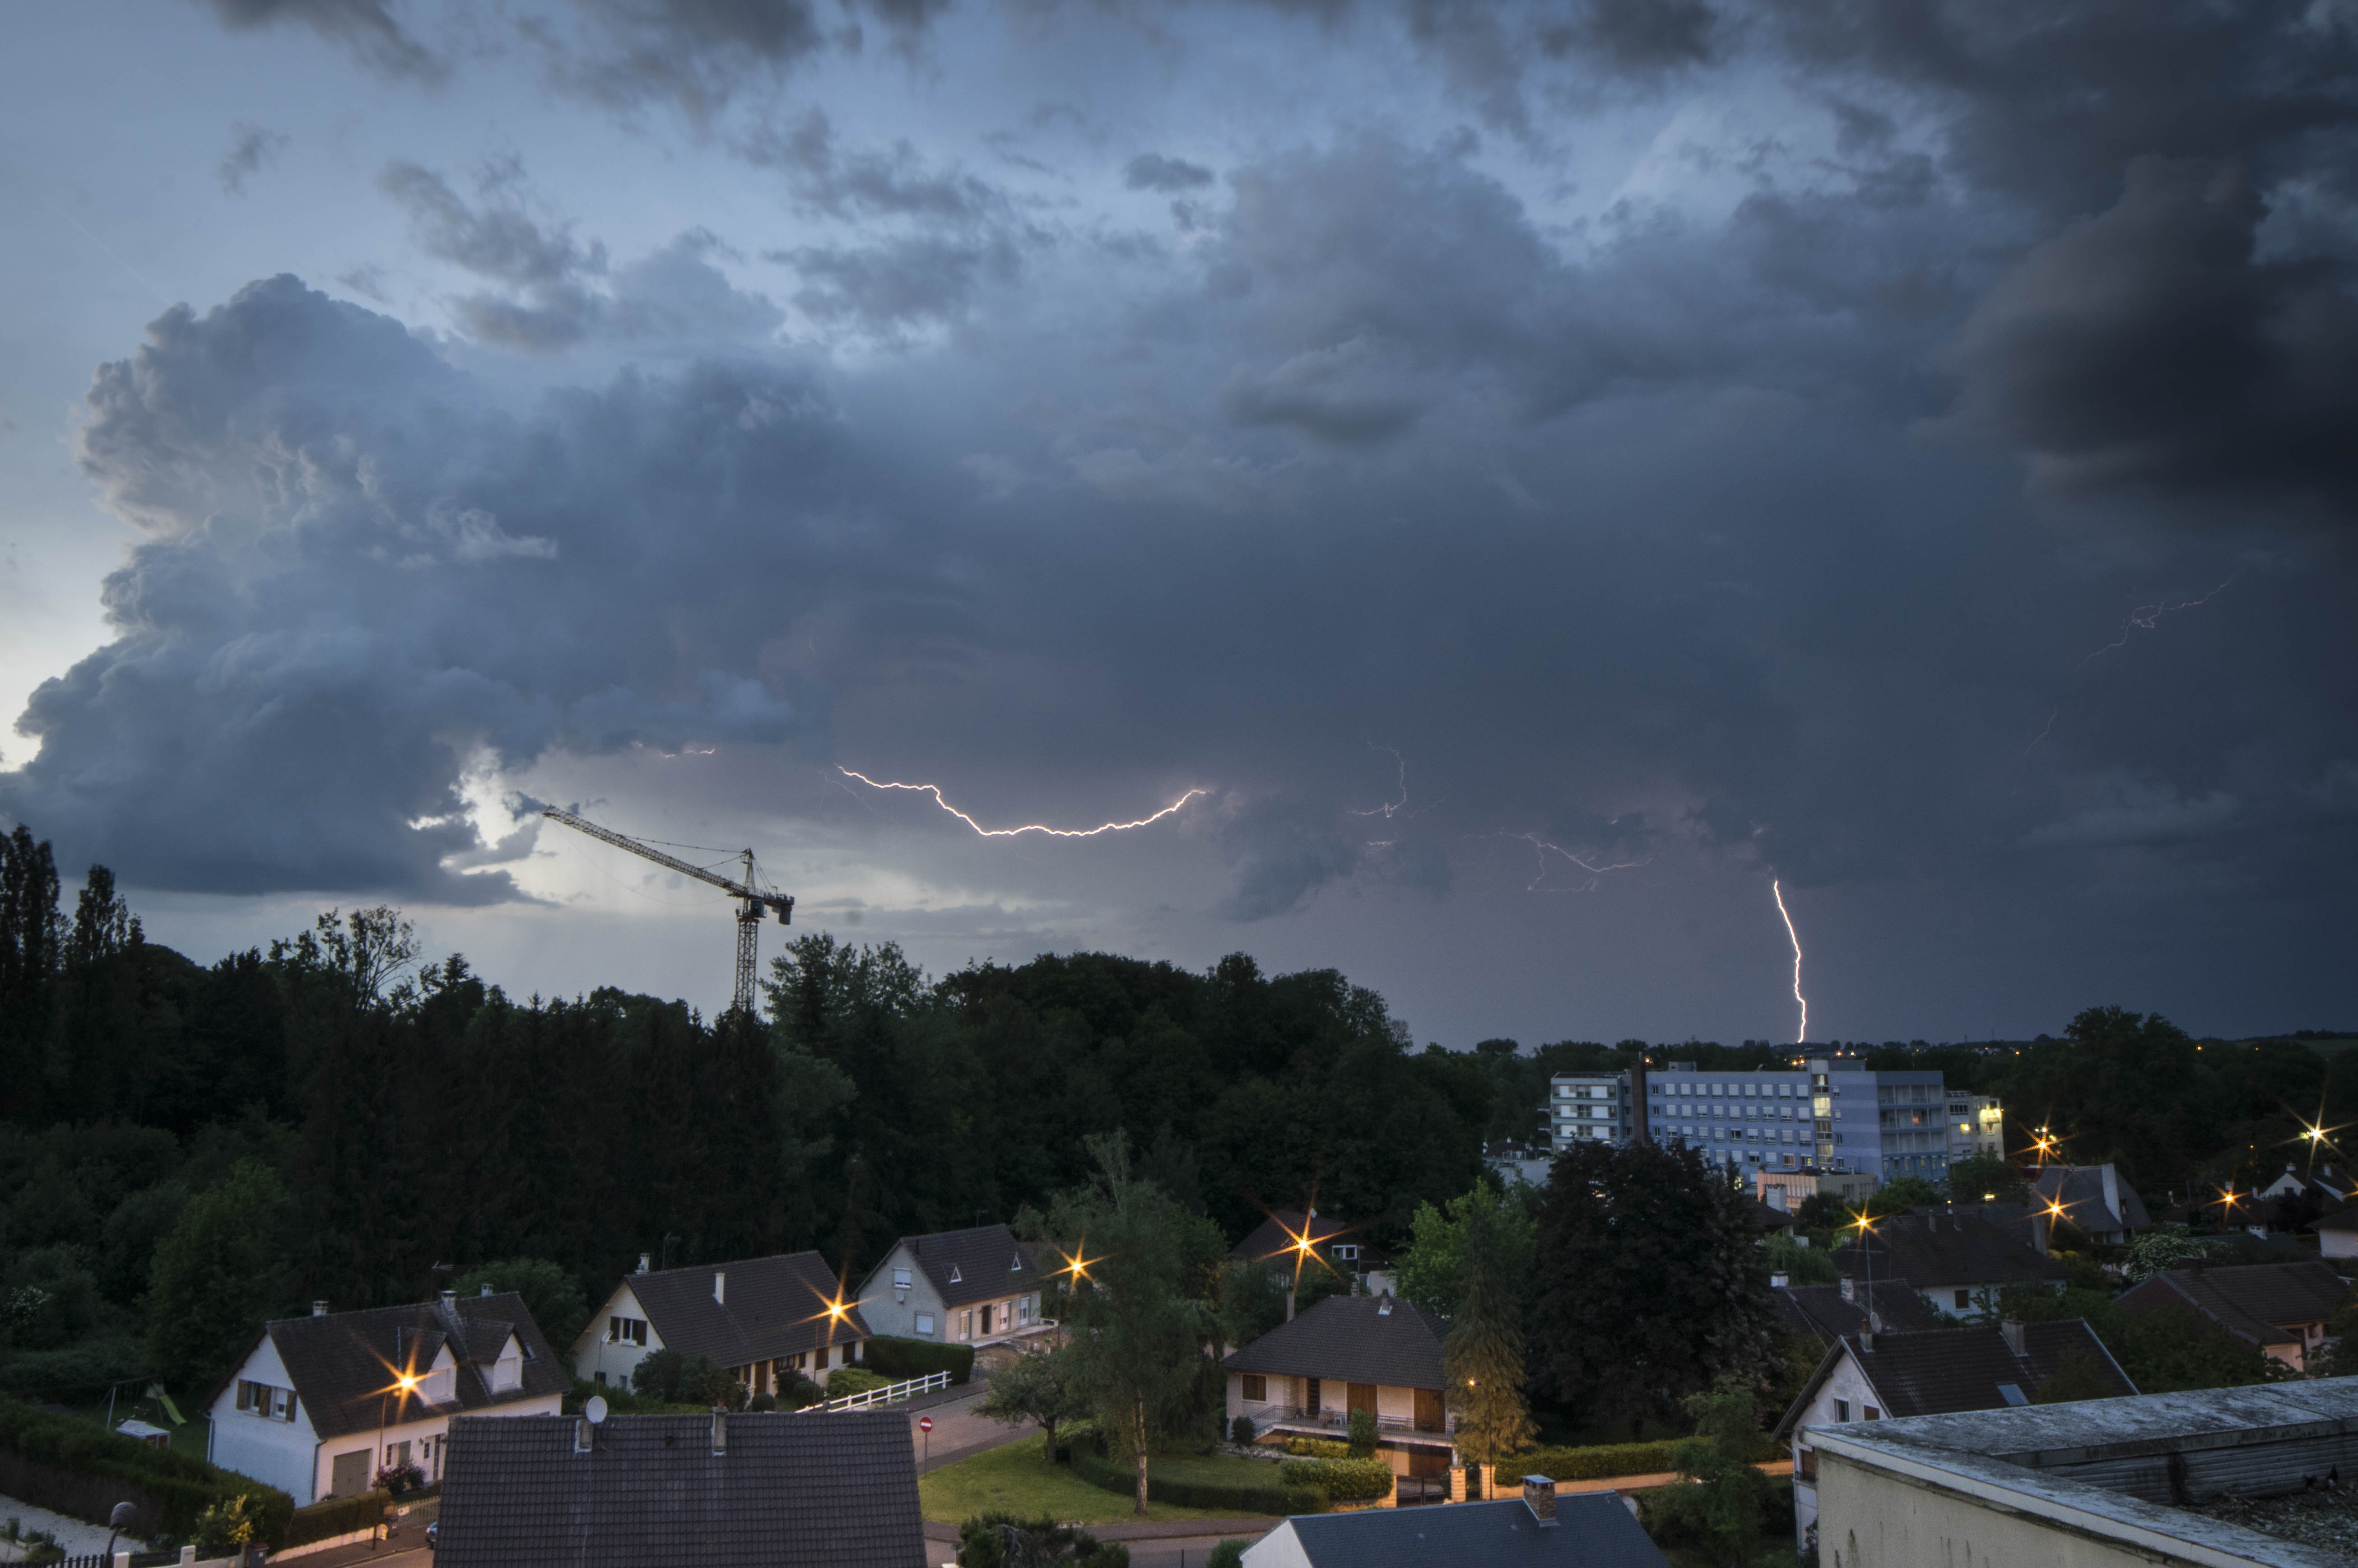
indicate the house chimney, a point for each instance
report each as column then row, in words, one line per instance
column 1850, row 1289
column 486, row 1289
column 2012, row 1328
column 720, row 1287
column 450, row 1298
column 645, row 1258
column 719, row 1432
column 318, row 1309
column 2113, row 1191
column 1538, row 1496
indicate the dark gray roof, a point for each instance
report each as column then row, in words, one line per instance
column 2081, row 1191
column 2255, row 1301
column 1273, row 1240
column 344, row 1364
column 1822, row 1311
column 2340, row 1220
column 1963, row 1369
column 1766, row 1217
column 1948, row 1248
column 980, row 1264
column 768, row 1307
column 1352, row 1339
column 1593, row 1529
column 788, row 1491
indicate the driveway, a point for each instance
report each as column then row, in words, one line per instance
column 959, row 1432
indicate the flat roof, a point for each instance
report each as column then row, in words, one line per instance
column 2006, row 1456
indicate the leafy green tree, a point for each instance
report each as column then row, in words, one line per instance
column 1987, row 1178
column 1800, row 1265
column 658, row 1375
column 550, row 1293
column 2164, row 1247
column 1362, row 1433
column 1649, row 1285
column 1721, row 1509
column 1138, row 1335
column 218, row 1276
column 1042, row 1388
column 1482, row 1355
column 1432, row 1268
column 1901, row 1194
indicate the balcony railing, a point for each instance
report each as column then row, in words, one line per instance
column 1329, row 1420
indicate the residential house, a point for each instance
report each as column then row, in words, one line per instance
column 1827, row 1312
column 1346, row 1353
column 1880, row 1376
column 318, row 1405
column 2295, row 1199
column 956, row 1287
column 767, row 1320
column 1788, row 1190
column 1289, row 1238
column 2280, row 1307
column 1957, row 1260
column 783, row 1491
column 2095, row 1202
column 1537, row 1529
column 2330, row 1185
column 2337, row 1233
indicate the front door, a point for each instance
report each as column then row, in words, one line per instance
column 1429, row 1416
column 350, row 1477
column 986, row 1322
column 1310, row 1396
column 1363, row 1397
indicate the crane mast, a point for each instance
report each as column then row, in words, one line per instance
column 751, row 900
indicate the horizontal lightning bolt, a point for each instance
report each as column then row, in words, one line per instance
column 1542, row 849
column 934, row 790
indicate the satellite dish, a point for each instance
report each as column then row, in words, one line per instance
column 596, row 1410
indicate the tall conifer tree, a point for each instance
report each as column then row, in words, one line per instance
column 1482, row 1358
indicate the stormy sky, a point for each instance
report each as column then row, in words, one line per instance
column 1544, row 473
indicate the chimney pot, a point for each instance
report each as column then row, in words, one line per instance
column 1849, row 1289
column 720, row 1287
column 1538, row 1496
column 318, row 1309
column 486, row 1289
column 644, row 1259
column 719, row 1431
column 2012, row 1328
column 451, row 1297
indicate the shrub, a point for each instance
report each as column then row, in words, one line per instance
column 1241, row 1431
column 1228, row 1554
column 1598, row 1462
column 1363, row 1434
column 1345, row 1480
column 336, row 1516
column 1317, row 1448
column 846, row 1380
column 174, row 1488
column 902, row 1359
column 226, row 1528
column 802, row 1394
column 1093, row 1466
column 983, row 1544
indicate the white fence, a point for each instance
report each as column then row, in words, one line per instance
column 891, row 1393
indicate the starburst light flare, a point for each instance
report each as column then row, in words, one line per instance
column 934, row 790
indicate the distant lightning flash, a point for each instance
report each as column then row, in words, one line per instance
column 1596, row 869
column 1793, row 936
column 934, row 790
column 2144, row 617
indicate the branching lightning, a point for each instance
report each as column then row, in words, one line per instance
column 2144, row 617
column 1541, row 848
column 1777, row 892
column 934, row 790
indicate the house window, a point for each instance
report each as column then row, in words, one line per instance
column 1871, row 1413
column 1964, row 1300
column 1842, row 1410
column 626, row 1331
column 1809, row 1463
column 396, row 1454
column 268, row 1402
column 900, row 1279
column 966, row 1325
column 1344, row 1254
column 925, row 1323
column 818, row 1357
column 1256, row 1388
column 955, row 1278
column 1017, row 1265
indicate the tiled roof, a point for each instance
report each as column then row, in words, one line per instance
column 1272, row 1239
column 1352, row 1339
column 1766, row 1217
column 1932, row 1250
column 344, row 1364
column 1952, row 1370
column 768, row 1307
column 787, row 1491
column 977, row 1265
column 2081, row 1191
column 2341, row 1219
column 2256, row 1302
column 1822, row 1311
column 1593, row 1529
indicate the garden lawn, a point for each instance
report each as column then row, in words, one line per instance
column 1016, row 1478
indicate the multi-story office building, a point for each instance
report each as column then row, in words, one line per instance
column 1830, row 1115
column 1595, row 1108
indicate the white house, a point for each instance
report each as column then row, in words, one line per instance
column 767, row 1320
column 955, row 1287
column 319, row 1405
column 1881, row 1377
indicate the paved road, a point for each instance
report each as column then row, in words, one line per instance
column 958, row 1433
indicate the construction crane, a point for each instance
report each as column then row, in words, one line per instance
column 751, row 898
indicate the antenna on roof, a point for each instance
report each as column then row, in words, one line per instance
column 596, row 1410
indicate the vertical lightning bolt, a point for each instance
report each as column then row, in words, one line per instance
column 1793, row 936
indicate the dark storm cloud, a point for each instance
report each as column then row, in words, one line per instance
column 251, row 147
column 367, row 27
column 1153, row 171
column 895, row 285
column 358, row 576
column 2152, row 347
column 823, row 177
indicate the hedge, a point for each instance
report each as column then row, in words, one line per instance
column 901, row 1359
column 341, row 1515
column 1317, row 1448
column 1344, row 1480
column 1098, row 1470
column 846, row 1382
column 67, row 1459
column 1604, row 1460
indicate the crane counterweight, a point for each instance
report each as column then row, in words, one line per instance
column 751, row 901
